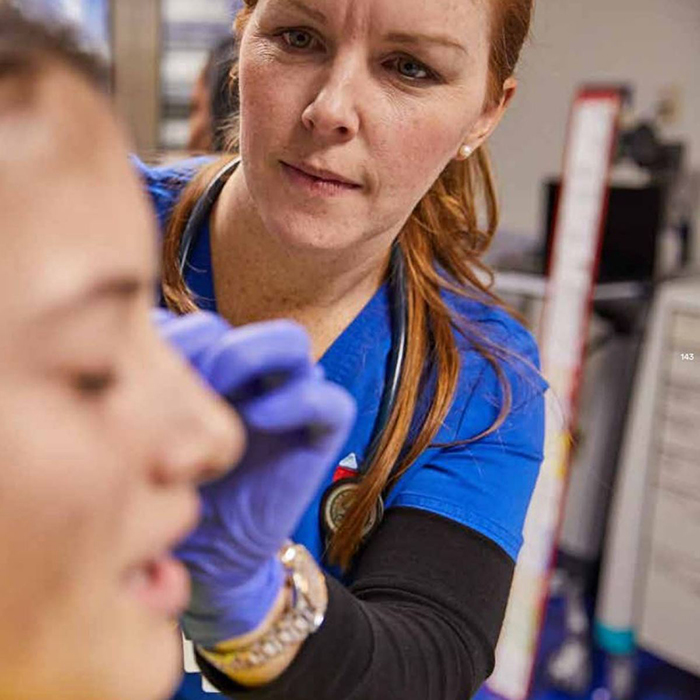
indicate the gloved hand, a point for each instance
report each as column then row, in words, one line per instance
column 297, row 423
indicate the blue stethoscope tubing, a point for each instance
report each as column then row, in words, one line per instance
column 332, row 510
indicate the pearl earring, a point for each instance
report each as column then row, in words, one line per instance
column 465, row 151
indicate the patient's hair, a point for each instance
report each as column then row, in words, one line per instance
column 29, row 47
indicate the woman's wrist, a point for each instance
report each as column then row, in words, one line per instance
column 260, row 656
column 279, row 605
column 272, row 668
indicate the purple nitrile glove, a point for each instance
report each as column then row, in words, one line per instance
column 296, row 424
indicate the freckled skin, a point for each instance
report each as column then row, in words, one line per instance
column 344, row 95
column 395, row 137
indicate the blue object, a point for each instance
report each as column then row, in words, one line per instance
column 614, row 641
column 485, row 485
column 295, row 426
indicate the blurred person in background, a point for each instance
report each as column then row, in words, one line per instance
column 214, row 100
column 105, row 433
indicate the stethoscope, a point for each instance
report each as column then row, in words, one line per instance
column 338, row 496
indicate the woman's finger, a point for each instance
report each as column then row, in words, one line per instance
column 269, row 353
column 191, row 334
column 302, row 403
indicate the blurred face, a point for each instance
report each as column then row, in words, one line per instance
column 103, row 431
column 351, row 109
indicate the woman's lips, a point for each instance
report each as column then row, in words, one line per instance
column 317, row 185
column 161, row 584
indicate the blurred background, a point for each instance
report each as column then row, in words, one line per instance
column 620, row 614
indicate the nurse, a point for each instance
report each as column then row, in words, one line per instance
column 104, row 432
column 362, row 135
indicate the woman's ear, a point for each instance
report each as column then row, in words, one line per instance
column 488, row 121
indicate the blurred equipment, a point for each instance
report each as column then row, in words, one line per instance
column 578, row 228
column 188, row 31
column 136, row 48
column 615, row 340
column 642, row 220
column 639, row 215
column 632, row 226
column 650, row 581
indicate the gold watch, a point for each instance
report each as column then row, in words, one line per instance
column 300, row 619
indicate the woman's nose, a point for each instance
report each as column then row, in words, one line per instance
column 204, row 437
column 333, row 114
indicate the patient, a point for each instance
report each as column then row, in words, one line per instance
column 104, row 432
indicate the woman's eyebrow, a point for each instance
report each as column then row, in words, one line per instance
column 395, row 37
column 441, row 40
column 311, row 12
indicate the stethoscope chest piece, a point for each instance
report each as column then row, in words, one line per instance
column 337, row 501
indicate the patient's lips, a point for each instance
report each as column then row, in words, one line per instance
column 157, row 579
column 161, row 584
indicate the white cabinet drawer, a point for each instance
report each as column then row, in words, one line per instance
column 670, row 608
column 679, row 472
column 669, row 603
column 682, row 399
column 681, row 371
column 679, row 430
column 676, row 522
column 685, row 331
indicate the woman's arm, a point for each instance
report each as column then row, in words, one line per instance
column 421, row 620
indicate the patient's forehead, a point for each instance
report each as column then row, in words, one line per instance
column 51, row 119
column 72, row 205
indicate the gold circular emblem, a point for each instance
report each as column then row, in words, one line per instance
column 337, row 502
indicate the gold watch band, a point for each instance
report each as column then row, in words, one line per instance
column 301, row 618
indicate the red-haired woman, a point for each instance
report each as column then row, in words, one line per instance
column 357, row 200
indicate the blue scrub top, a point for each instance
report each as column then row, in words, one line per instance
column 485, row 485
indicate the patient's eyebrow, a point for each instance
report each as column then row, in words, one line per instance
column 119, row 288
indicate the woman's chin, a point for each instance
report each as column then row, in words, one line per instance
column 314, row 234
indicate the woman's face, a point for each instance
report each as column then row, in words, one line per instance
column 103, row 431
column 381, row 93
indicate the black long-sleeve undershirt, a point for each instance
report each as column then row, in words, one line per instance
column 420, row 621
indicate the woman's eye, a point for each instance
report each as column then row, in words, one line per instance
column 409, row 68
column 297, row 38
column 412, row 69
column 93, row 384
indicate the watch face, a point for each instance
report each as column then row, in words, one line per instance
column 337, row 502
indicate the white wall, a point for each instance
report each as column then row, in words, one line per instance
column 652, row 44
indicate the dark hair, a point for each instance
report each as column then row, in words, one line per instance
column 451, row 228
column 28, row 45
column 223, row 91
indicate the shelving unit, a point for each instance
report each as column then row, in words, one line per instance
column 189, row 31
